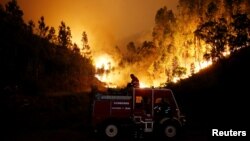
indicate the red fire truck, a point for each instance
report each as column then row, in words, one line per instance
column 142, row 110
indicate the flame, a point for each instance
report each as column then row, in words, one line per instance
column 202, row 65
column 115, row 76
column 176, row 79
column 144, row 85
column 226, row 52
column 103, row 62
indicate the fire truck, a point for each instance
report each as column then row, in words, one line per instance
column 139, row 111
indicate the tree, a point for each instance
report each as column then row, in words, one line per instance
column 206, row 56
column 131, row 47
column 52, row 35
column 31, row 26
column 43, row 29
column 85, row 46
column 175, row 63
column 214, row 33
column 76, row 49
column 146, row 49
column 164, row 28
column 131, row 56
column 36, row 63
column 64, row 36
column 179, row 71
column 14, row 11
column 241, row 29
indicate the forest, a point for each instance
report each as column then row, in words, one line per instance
column 184, row 41
column 37, row 58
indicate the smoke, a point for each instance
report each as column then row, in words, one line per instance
column 107, row 23
column 110, row 25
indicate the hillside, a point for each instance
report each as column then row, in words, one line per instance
column 39, row 59
column 216, row 97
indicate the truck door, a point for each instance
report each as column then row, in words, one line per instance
column 143, row 108
column 142, row 102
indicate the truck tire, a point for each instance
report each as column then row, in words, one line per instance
column 111, row 130
column 170, row 130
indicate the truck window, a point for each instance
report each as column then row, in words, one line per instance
column 158, row 100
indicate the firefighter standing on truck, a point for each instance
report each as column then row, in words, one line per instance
column 134, row 82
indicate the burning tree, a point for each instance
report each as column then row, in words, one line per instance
column 189, row 40
column 240, row 33
column 86, row 52
column 200, row 32
column 214, row 33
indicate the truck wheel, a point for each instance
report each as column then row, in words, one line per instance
column 170, row 130
column 111, row 131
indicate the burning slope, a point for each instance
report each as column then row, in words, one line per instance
column 182, row 44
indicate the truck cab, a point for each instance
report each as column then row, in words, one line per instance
column 146, row 110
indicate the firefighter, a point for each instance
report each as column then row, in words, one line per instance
column 134, row 82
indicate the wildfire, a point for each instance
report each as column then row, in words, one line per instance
column 165, row 58
column 104, row 64
column 226, row 52
column 144, row 85
column 106, row 73
column 202, row 65
column 176, row 79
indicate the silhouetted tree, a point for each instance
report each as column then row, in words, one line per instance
column 85, row 46
column 64, row 36
column 52, row 35
column 214, row 33
column 241, row 29
column 43, row 29
column 14, row 11
column 179, row 71
column 175, row 63
column 131, row 47
column 146, row 49
column 164, row 20
column 31, row 26
column 76, row 49
column 132, row 55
